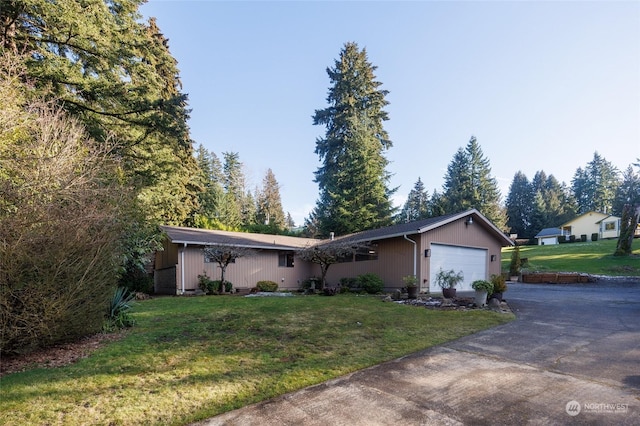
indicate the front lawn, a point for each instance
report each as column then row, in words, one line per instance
column 190, row 358
column 590, row 258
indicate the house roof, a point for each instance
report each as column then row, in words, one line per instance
column 608, row 217
column 549, row 232
column 205, row 237
column 599, row 217
column 424, row 225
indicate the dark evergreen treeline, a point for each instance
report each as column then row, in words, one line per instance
column 227, row 203
column 467, row 184
column 530, row 205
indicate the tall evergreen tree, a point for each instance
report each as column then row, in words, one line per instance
column 628, row 192
column 353, row 180
column 542, row 203
column 539, row 218
column 559, row 204
column 519, row 205
column 417, row 205
column 469, row 184
column 289, row 222
column 114, row 73
column 248, row 209
column 234, row 208
column 212, row 194
column 436, row 205
column 269, row 203
column 458, row 194
column 594, row 187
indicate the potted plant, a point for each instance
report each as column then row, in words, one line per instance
column 411, row 284
column 448, row 280
column 482, row 288
column 499, row 286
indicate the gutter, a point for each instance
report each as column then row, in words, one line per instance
column 415, row 253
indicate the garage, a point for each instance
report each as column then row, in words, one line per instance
column 471, row 261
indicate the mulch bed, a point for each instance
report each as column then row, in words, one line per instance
column 55, row 356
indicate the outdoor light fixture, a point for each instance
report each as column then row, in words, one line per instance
column 469, row 221
column 427, row 252
column 493, row 257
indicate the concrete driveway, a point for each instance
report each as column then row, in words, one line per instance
column 571, row 357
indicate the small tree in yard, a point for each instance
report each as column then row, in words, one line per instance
column 326, row 255
column 223, row 255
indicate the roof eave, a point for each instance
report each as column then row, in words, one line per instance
column 252, row 246
column 476, row 213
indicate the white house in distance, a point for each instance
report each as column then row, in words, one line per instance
column 602, row 224
column 548, row 236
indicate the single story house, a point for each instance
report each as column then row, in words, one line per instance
column 548, row 236
column 602, row 224
column 465, row 241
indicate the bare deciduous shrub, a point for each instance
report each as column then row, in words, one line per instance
column 61, row 223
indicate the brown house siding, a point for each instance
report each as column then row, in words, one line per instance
column 395, row 260
column 244, row 273
column 395, row 256
column 263, row 265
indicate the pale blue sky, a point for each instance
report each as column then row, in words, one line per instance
column 542, row 85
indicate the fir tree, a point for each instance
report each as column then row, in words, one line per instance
column 234, row 207
column 289, row 222
column 519, row 205
column 269, row 203
column 107, row 68
column 594, row 187
column 469, row 184
column 628, row 192
column 212, row 194
column 417, row 205
column 353, row 180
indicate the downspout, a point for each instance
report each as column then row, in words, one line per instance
column 415, row 253
column 182, row 267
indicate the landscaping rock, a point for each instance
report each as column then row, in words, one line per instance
column 494, row 304
column 269, row 294
column 459, row 303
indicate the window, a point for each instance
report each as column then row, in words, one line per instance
column 609, row 226
column 369, row 252
column 285, row 259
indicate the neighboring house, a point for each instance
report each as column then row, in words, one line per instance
column 548, row 236
column 465, row 241
column 602, row 224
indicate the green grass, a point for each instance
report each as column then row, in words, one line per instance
column 192, row 358
column 590, row 257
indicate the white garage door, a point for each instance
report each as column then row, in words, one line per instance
column 472, row 262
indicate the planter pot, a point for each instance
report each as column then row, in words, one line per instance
column 449, row 293
column 481, row 298
column 412, row 292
